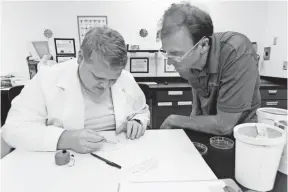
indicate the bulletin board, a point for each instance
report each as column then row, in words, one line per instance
column 85, row 23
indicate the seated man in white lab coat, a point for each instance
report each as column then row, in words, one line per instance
column 64, row 107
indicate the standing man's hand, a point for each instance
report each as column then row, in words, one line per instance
column 167, row 123
column 133, row 129
column 80, row 141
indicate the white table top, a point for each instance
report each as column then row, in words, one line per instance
column 176, row 157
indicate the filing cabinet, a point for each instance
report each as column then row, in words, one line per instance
column 167, row 100
column 177, row 99
column 173, row 95
column 273, row 96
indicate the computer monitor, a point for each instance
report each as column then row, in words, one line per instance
column 38, row 49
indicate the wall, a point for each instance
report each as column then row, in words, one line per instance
column 26, row 21
column 276, row 28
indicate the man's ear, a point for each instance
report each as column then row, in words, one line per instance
column 80, row 57
column 204, row 45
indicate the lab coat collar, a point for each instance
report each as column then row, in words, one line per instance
column 119, row 96
column 70, row 75
column 73, row 112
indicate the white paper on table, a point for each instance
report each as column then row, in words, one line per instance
column 176, row 186
column 119, row 141
column 125, row 153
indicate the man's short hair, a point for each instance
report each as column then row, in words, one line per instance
column 108, row 44
column 177, row 16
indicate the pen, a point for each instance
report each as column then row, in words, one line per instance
column 108, row 141
column 106, row 161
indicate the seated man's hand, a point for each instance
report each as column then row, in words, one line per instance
column 133, row 129
column 81, row 141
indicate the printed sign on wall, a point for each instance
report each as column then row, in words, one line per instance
column 85, row 23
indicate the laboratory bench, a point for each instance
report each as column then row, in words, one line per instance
column 169, row 97
column 176, row 98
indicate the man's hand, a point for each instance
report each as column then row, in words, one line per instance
column 167, row 123
column 81, row 141
column 133, row 129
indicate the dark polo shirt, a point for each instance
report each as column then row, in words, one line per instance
column 230, row 79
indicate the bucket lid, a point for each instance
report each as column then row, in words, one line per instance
column 259, row 134
column 272, row 111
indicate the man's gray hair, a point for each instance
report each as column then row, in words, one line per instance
column 108, row 44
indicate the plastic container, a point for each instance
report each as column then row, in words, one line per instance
column 278, row 118
column 271, row 115
column 221, row 142
column 257, row 156
column 201, row 148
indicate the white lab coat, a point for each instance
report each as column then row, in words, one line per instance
column 53, row 102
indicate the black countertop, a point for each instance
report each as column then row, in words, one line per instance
column 265, row 82
column 222, row 162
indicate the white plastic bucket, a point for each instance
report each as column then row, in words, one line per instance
column 278, row 118
column 271, row 115
column 257, row 158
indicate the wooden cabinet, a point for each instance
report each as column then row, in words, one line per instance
column 273, row 93
column 273, row 96
column 176, row 99
column 167, row 100
column 176, row 94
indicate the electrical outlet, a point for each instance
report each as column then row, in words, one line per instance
column 285, row 65
column 267, row 51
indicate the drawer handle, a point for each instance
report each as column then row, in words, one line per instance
column 175, row 92
column 185, row 103
column 272, row 103
column 272, row 92
column 164, row 103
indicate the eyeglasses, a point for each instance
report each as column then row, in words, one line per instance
column 179, row 59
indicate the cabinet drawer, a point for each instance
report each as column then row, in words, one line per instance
column 273, row 93
column 174, row 95
column 165, row 111
column 274, row 103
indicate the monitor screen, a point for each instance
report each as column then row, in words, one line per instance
column 41, row 48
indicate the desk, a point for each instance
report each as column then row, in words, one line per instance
column 222, row 163
column 177, row 157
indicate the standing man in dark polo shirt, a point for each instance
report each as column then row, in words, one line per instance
column 221, row 68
